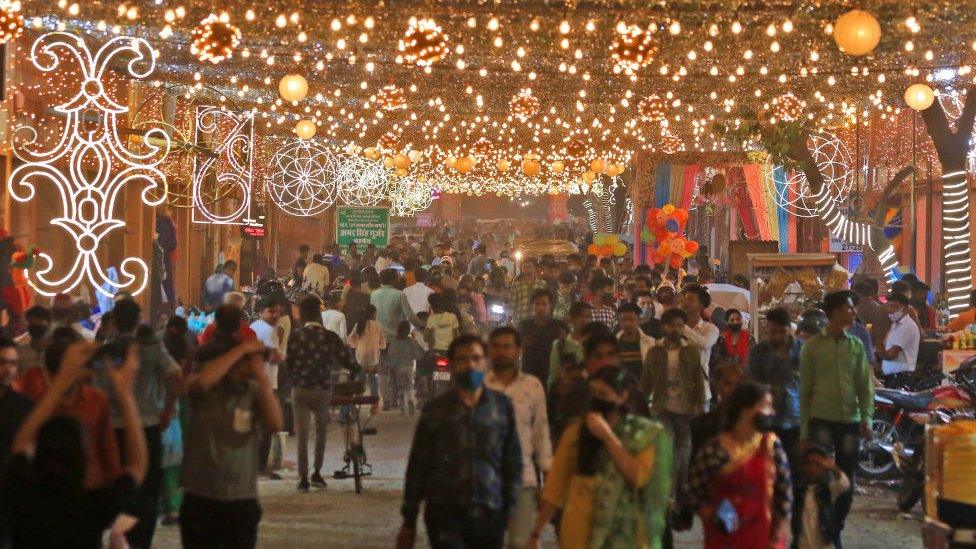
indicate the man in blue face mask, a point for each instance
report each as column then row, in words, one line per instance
column 465, row 463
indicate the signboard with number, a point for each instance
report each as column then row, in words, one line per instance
column 839, row 246
column 363, row 226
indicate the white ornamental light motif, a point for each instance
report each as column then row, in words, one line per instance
column 409, row 195
column 361, row 181
column 304, row 180
column 90, row 165
column 231, row 136
column 835, row 162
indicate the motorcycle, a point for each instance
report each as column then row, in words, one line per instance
column 441, row 379
column 893, row 421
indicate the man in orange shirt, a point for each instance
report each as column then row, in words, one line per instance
column 84, row 403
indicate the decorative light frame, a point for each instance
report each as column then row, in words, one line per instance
column 89, row 197
column 955, row 240
column 361, row 182
column 240, row 135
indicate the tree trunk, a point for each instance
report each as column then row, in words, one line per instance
column 953, row 150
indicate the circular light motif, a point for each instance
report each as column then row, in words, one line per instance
column 304, row 180
column 361, row 182
column 409, row 195
column 834, row 160
column 215, row 39
column 423, row 44
column 786, row 107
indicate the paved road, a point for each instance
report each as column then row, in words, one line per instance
column 337, row 517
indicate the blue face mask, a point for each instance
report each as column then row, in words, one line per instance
column 470, row 380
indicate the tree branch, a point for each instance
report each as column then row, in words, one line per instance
column 878, row 214
column 964, row 124
column 937, row 124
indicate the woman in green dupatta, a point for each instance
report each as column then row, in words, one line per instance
column 611, row 475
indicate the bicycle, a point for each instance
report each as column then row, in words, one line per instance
column 349, row 397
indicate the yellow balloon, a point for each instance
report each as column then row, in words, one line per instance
column 557, row 167
column 857, row 32
column 600, row 239
column 619, row 249
column 611, row 240
column 464, row 164
column 919, row 96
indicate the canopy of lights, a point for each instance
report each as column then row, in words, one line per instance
column 509, row 97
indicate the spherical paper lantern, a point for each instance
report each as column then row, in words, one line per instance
column 531, row 167
column 464, row 164
column 857, row 32
column 503, row 165
column 305, row 129
column 919, row 96
column 557, row 167
column 589, row 176
column 598, row 165
column 388, row 161
column 371, row 153
column 293, row 87
column 401, row 162
column 415, row 156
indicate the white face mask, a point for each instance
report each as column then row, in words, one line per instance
column 896, row 316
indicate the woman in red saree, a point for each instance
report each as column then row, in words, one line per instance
column 740, row 480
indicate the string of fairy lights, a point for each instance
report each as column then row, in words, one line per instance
column 530, row 95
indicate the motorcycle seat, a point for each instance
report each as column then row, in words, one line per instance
column 906, row 400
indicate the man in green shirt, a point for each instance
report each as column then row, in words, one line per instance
column 836, row 392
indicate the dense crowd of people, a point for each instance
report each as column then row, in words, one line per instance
column 616, row 402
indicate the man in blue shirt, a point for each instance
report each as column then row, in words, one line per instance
column 466, row 461
column 220, row 283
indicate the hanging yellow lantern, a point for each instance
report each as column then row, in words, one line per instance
column 450, row 161
column 415, row 156
column 503, row 165
column 557, row 167
column 305, row 129
column 613, row 170
column 388, row 161
column 371, row 153
column 919, row 96
column 531, row 167
column 589, row 176
column 401, row 172
column 401, row 162
column 598, row 165
column 293, row 87
column 857, row 32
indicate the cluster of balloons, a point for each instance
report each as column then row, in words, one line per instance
column 606, row 245
column 663, row 232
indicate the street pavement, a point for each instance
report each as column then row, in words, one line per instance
column 338, row 518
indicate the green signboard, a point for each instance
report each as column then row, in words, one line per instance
column 363, row 226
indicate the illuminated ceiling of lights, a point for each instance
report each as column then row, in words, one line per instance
column 713, row 61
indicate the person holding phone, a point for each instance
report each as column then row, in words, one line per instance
column 49, row 503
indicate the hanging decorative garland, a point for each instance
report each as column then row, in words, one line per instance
column 633, row 48
column 11, row 23
column 524, row 105
column 652, row 108
column 304, row 179
column 391, row 98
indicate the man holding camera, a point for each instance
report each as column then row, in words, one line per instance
column 157, row 386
